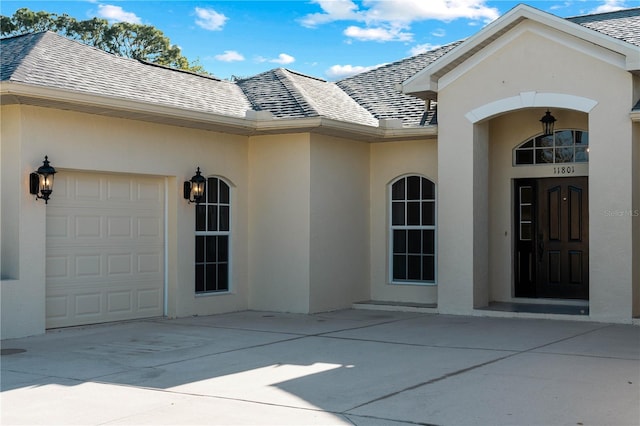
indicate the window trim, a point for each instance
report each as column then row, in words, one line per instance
column 218, row 233
column 391, row 228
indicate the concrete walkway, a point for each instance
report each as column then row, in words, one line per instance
column 349, row 367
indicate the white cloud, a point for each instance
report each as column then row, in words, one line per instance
column 117, row 14
column 337, row 72
column 390, row 20
column 229, row 56
column 422, row 48
column 610, row 6
column 377, row 34
column 400, row 12
column 209, row 19
column 282, row 59
column 439, row 32
column 334, row 10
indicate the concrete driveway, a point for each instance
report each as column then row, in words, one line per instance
column 351, row 367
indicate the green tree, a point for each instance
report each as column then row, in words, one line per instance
column 143, row 42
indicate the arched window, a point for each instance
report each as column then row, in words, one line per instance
column 563, row 146
column 212, row 238
column 413, row 231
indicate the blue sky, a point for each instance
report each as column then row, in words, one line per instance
column 329, row 39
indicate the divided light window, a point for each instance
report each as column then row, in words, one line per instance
column 413, row 231
column 563, row 146
column 212, row 238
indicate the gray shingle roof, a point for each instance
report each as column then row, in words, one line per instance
column 50, row 60
column 375, row 89
column 622, row 24
column 287, row 94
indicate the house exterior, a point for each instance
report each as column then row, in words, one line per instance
column 424, row 183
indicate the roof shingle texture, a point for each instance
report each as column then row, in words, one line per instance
column 622, row 24
column 375, row 89
column 47, row 59
column 287, row 94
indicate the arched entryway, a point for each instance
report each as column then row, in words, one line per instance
column 537, row 204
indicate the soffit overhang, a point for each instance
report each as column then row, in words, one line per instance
column 252, row 125
column 426, row 83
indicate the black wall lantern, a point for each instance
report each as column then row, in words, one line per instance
column 194, row 188
column 41, row 181
column 548, row 123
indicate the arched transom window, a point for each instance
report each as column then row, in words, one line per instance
column 413, row 231
column 563, row 146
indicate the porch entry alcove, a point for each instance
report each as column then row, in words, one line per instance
column 537, row 210
column 551, row 219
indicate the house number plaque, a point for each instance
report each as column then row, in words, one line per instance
column 564, row 170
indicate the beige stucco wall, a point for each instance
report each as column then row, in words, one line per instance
column 339, row 223
column 391, row 160
column 77, row 141
column 279, row 224
column 308, row 222
column 513, row 65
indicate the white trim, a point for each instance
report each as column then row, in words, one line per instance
column 530, row 100
column 165, row 307
column 390, row 229
column 218, row 233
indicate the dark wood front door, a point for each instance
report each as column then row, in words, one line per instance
column 552, row 238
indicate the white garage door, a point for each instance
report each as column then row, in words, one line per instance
column 105, row 248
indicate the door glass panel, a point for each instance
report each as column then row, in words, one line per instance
column 554, row 213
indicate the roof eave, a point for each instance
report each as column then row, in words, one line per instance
column 19, row 93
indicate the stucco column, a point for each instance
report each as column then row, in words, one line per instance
column 462, row 214
column 610, row 214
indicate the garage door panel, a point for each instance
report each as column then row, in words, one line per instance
column 105, row 251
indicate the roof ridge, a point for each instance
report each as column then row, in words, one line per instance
column 166, row 67
column 304, row 75
column 611, row 12
column 9, row 69
column 297, row 94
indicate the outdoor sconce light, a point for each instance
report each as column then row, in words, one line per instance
column 548, row 122
column 41, row 181
column 194, row 188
